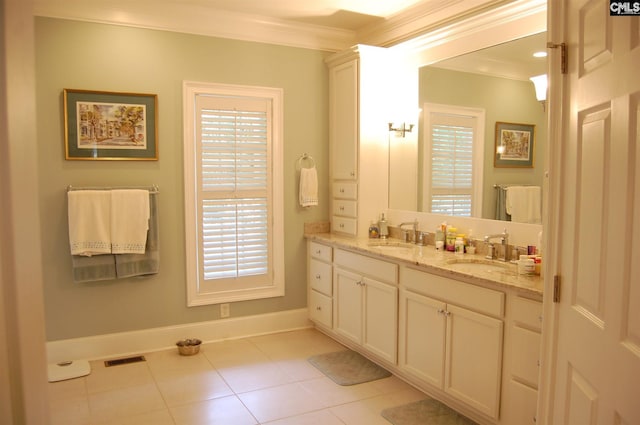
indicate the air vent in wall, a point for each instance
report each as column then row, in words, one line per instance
column 126, row 360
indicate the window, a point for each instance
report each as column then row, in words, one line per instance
column 233, row 193
column 453, row 160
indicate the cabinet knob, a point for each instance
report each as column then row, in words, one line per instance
column 318, row 252
column 319, row 308
column 352, row 173
column 341, row 208
column 318, row 276
column 341, row 226
column 341, row 190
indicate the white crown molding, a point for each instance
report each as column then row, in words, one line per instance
column 422, row 18
column 504, row 23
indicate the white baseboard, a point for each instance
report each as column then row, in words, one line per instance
column 142, row 341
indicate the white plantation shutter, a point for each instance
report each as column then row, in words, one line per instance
column 453, row 141
column 234, row 198
column 234, row 181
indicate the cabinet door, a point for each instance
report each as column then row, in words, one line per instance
column 380, row 318
column 347, row 307
column 474, row 359
column 422, row 337
column 343, row 81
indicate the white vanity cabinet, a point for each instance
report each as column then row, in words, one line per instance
column 320, row 284
column 365, row 302
column 451, row 337
column 520, row 394
column 358, row 137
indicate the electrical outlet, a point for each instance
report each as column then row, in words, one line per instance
column 224, row 310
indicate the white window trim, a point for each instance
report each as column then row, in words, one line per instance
column 478, row 152
column 195, row 295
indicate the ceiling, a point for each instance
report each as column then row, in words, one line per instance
column 341, row 14
column 330, row 25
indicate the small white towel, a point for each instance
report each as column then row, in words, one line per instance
column 523, row 204
column 308, row 187
column 89, row 218
column 129, row 221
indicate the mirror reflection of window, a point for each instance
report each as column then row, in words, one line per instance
column 454, row 143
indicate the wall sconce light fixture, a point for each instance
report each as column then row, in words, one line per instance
column 540, row 83
column 402, row 129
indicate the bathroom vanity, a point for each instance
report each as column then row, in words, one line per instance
column 461, row 328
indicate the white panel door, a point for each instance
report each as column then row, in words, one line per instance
column 594, row 376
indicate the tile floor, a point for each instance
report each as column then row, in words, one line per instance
column 257, row 380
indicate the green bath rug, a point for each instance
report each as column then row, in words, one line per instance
column 425, row 412
column 348, row 367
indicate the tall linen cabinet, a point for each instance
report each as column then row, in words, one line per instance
column 360, row 93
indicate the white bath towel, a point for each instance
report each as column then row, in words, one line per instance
column 308, row 187
column 129, row 221
column 89, row 215
column 523, row 203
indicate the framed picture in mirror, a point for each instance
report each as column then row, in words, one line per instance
column 514, row 145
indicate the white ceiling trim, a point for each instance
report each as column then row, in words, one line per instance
column 195, row 18
column 422, row 18
column 501, row 24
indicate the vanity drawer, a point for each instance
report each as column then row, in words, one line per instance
column 344, row 225
column 527, row 313
column 321, row 252
column 345, row 208
column 452, row 291
column 367, row 266
column 320, row 276
column 320, row 308
column 345, row 191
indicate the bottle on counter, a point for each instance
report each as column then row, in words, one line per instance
column 450, row 238
column 383, row 229
column 374, row 232
column 459, row 245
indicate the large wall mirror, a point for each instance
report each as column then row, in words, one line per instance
column 495, row 81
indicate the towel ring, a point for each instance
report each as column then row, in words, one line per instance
column 306, row 157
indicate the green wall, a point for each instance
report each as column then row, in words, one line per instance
column 504, row 100
column 89, row 56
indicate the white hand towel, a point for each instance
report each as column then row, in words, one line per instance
column 523, row 204
column 308, row 187
column 129, row 221
column 89, row 215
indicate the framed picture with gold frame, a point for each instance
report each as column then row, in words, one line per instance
column 514, row 145
column 101, row 125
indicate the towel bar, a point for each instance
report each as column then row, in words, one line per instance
column 152, row 189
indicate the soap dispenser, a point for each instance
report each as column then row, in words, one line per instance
column 382, row 227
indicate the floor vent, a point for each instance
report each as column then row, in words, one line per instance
column 126, row 360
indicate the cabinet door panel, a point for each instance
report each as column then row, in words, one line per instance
column 474, row 359
column 347, row 309
column 343, row 86
column 525, row 354
column 381, row 318
column 422, row 337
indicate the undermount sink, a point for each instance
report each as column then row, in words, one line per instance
column 476, row 264
column 391, row 246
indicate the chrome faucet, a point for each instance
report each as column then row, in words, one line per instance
column 491, row 249
column 409, row 236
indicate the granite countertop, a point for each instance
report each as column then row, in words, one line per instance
column 469, row 268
